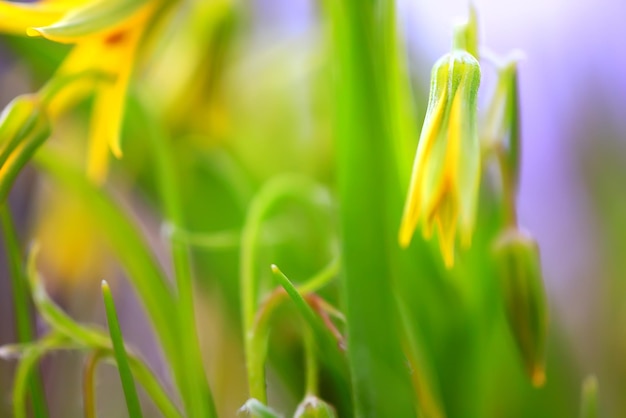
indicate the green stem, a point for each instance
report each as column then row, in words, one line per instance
column 509, row 190
column 321, row 279
column 28, row 363
column 219, row 240
column 89, row 387
column 589, row 401
column 21, row 304
column 276, row 190
column 311, row 367
column 371, row 136
column 194, row 388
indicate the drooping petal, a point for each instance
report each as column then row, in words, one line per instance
column 98, row 18
column 98, row 146
column 446, row 220
column 108, row 109
column 16, row 18
column 413, row 206
column 82, row 58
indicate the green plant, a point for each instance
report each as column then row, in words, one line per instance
column 364, row 325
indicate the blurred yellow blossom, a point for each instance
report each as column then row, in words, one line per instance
column 106, row 35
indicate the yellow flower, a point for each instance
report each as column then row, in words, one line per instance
column 446, row 172
column 106, row 34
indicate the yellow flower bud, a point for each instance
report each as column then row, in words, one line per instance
column 519, row 268
column 446, row 172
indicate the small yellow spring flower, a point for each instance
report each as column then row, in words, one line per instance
column 106, row 34
column 446, row 172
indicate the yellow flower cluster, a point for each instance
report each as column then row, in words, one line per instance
column 106, row 34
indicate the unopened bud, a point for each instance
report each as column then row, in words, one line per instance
column 253, row 408
column 314, row 407
column 519, row 269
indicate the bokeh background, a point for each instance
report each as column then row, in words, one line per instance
column 265, row 110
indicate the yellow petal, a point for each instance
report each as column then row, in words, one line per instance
column 81, row 58
column 412, row 207
column 16, row 18
column 108, row 108
column 96, row 19
column 98, row 149
column 446, row 219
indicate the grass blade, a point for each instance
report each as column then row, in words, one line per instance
column 196, row 391
column 126, row 241
column 128, row 383
column 29, row 361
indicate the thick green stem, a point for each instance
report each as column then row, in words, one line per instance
column 370, row 150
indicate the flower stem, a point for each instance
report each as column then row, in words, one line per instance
column 21, row 304
column 281, row 188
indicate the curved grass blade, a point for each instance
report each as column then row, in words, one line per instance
column 55, row 317
column 140, row 370
column 89, row 387
column 126, row 241
column 328, row 343
column 29, row 361
column 128, row 383
column 281, row 188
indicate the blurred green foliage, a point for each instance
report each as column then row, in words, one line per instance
column 295, row 152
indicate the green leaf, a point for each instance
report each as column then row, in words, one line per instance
column 327, row 343
column 129, row 246
column 278, row 189
column 55, row 317
column 371, row 136
column 30, row 358
column 128, row 383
